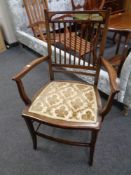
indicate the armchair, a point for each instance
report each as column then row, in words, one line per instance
column 71, row 105
column 25, row 37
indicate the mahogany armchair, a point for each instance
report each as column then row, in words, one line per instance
column 71, row 105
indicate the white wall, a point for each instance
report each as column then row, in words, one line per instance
column 6, row 23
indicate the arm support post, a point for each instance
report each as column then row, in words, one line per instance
column 113, row 84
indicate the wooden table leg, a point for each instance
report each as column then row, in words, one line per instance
column 118, row 44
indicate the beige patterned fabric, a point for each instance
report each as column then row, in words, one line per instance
column 67, row 101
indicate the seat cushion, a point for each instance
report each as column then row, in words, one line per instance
column 69, row 101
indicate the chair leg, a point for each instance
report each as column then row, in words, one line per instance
column 114, row 36
column 92, row 147
column 118, row 44
column 32, row 132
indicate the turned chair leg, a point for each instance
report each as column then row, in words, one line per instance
column 32, row 132
column 92, row 146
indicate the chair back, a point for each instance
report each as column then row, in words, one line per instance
column 81, row 48
column 35, row 13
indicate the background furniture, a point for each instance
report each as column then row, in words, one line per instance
column 116, row 6
column 121, row 24
column 25, row 36
column 127, row 6
column 2, row 43
column 36, row 16
column 65, row 104
column 36, row 13
column 6, row 23
column 88, row 4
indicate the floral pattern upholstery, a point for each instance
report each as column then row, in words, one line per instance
column 67, row 101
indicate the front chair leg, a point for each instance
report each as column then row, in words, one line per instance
column 92, row 146
column 32, row 131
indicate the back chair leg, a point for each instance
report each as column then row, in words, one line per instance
column 92, row 146
column 32, row 131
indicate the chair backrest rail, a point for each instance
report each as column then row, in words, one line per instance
column 80, row 40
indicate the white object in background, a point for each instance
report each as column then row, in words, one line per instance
column 6, row 23
column 2, row 44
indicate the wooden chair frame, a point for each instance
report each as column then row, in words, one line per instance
column 103, row 110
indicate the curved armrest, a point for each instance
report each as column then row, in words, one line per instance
column 22, row 73
column 113, row 85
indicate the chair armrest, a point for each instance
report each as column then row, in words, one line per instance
column 113, row 86
column 17, row 78
column 29, row 67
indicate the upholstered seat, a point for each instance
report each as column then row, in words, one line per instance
column 68, row 101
